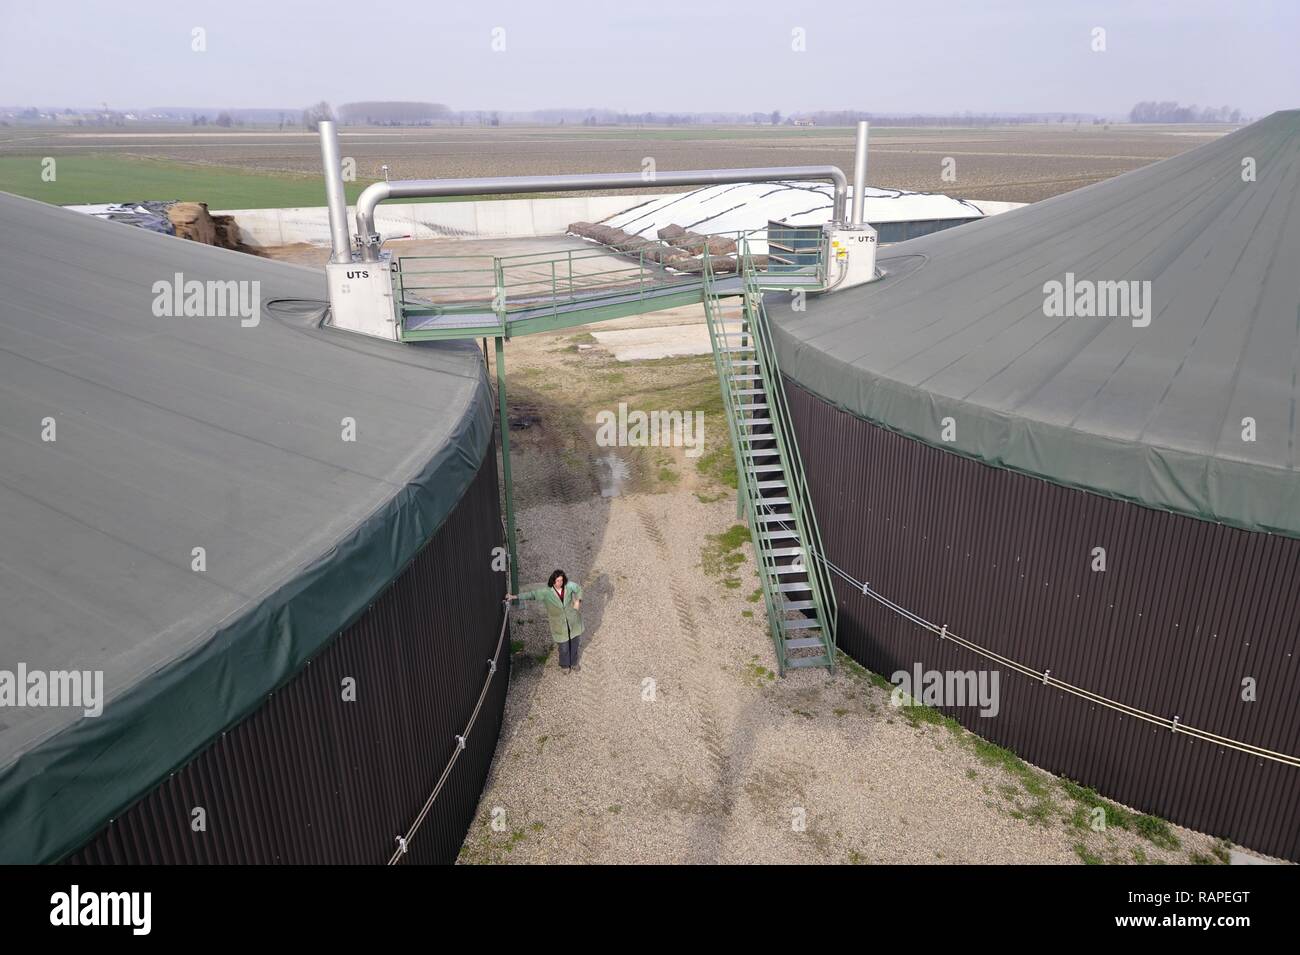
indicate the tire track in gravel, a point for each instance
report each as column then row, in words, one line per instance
column 701, row 835
column 596, row 701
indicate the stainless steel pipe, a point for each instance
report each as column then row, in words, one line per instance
column 335, row 198
column 504, row 185
column 859, row 177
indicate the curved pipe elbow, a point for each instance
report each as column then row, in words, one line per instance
column 370, row 197
column 841, row 201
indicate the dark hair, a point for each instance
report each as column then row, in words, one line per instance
column 555, row 574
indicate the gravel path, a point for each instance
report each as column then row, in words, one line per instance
column 675, row 742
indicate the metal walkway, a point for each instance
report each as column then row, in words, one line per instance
column 797, row 592
column 442, row 297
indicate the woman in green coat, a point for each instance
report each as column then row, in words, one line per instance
column 563, row 600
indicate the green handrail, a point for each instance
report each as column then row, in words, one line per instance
column 801, row 498
column 746, row 483
column 754, row 319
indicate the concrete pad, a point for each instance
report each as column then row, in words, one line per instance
column 1237, row 857
column 664, row 341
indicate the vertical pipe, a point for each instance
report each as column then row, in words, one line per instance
column 505, row 465
column 859, row 177
column 335, row 199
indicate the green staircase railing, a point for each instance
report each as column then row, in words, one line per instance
column 798, row 594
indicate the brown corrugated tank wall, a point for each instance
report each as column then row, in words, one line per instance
column 1184, row 612
column 310, row 779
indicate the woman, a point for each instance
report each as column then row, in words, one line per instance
column 563, row 600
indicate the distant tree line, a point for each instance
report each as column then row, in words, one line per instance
column 379, row 113
column 1170, row 112
column 846, row 117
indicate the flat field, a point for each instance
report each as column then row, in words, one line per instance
column 252, row 167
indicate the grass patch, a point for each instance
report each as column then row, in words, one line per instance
column 755, row 674
column 718, row 466
column 855, row 669
column 94, row 178
column 722, row 554
column 1088, row 858
column 1156, row 831
column 1151, row 828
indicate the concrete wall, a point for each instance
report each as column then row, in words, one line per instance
column 476, row 219
column 473, row 219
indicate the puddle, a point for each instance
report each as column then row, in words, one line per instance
column 613, row 473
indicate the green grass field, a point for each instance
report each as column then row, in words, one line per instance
column 85, row 179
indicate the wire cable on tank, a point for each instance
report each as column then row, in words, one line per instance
column 404, row 842
column 1042, row 676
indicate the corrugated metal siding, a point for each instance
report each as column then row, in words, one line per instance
column 309, row 778
column 1185, row 610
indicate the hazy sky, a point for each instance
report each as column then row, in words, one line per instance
column 934, row 56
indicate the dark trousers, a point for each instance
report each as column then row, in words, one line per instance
column 569, row 652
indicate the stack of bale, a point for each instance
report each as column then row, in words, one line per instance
column 192, row 221
column 678, row 248
column 718, row 248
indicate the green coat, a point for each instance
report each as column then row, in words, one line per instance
column 565, row 621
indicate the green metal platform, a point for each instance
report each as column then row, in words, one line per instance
column 466, row 296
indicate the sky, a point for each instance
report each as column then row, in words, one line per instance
column 904, row 56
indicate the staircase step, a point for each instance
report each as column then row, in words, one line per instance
column 790, row 588
column 768, row 484
column 805, row 623
column 749, row 391
column 786, row 552
column 765, row 468
column 777, row 535
column 802, row 643
column 746, row 377
column 818, row 661
column 773, row 518
column 797, row 605
column 753, row 421
column 757, row 407
column 779, row 500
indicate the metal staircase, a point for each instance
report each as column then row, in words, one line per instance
column 797, row 589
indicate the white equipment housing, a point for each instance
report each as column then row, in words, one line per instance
column 361, row 297
column 851, row 255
